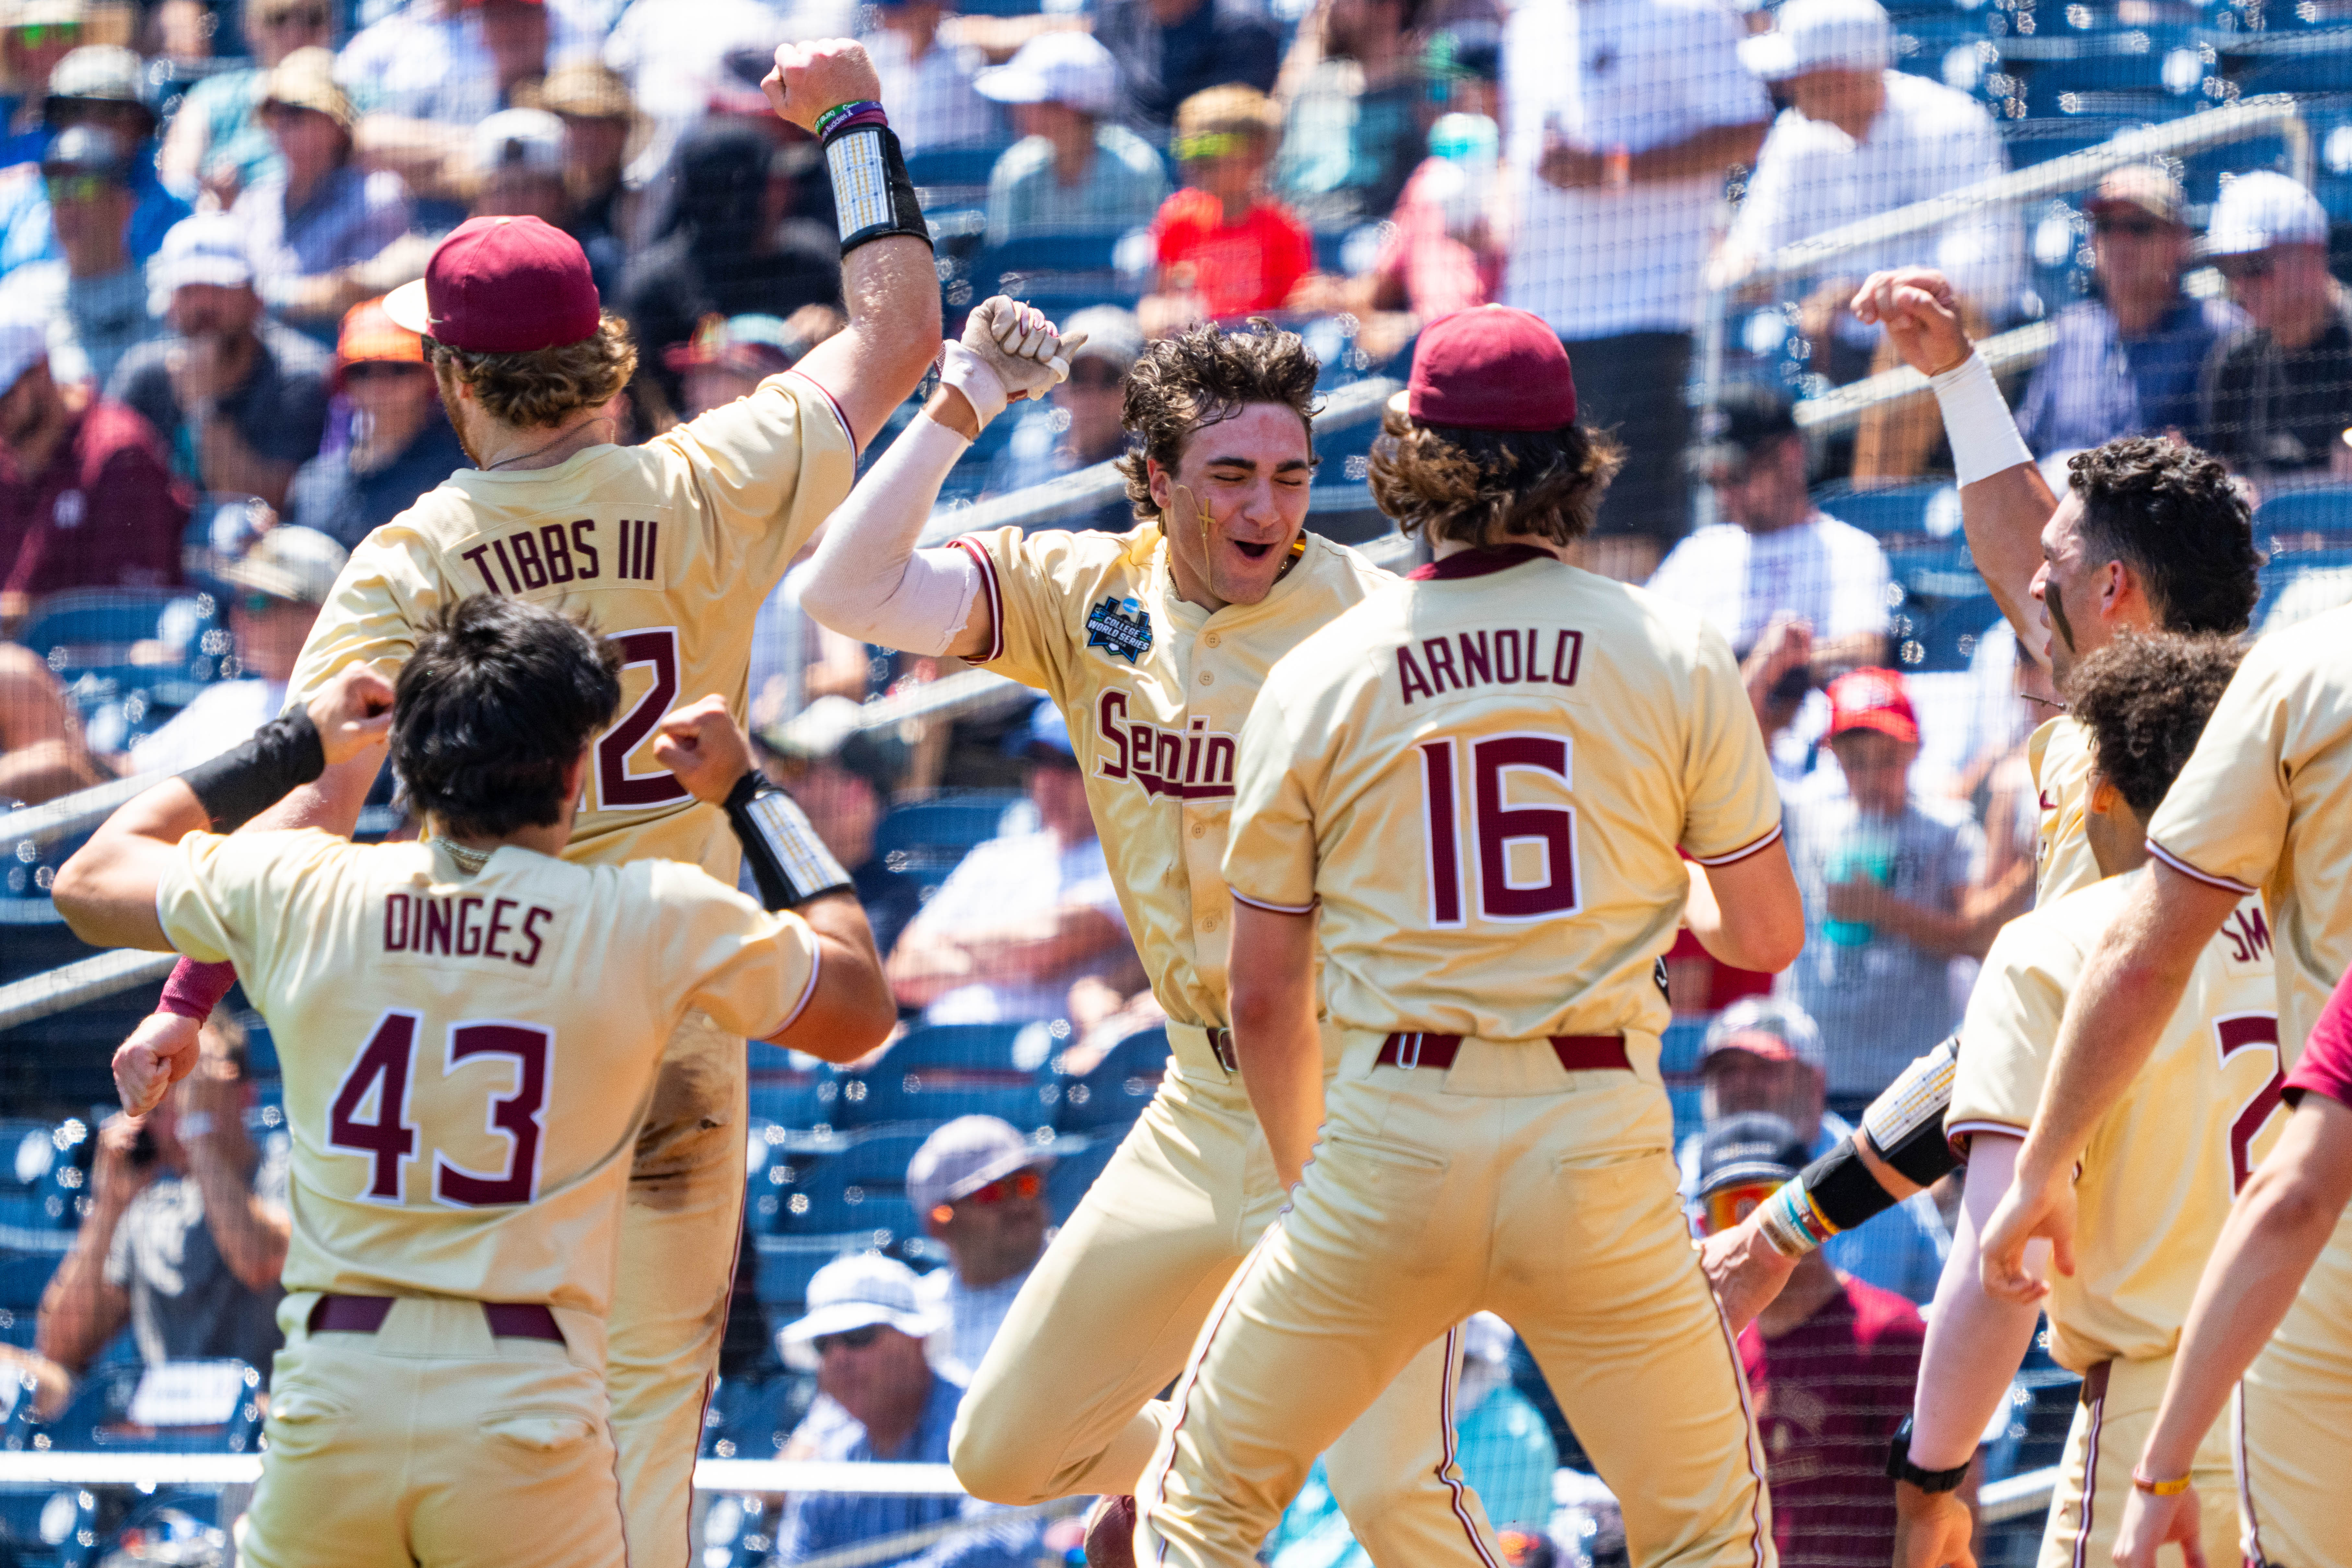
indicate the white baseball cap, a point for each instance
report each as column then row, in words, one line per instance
column 857, row 1291
column 297, row 564
column 531, row 140
column 23, row 342
column 1821, row 35
column 206, row 248
column 1055, row 67
column 2262, row 209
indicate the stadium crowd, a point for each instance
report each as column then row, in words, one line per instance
column 203, row 406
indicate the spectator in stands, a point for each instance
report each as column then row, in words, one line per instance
column 1440, row 253
column 276, row 588
column 1764, row 1055
column 1886, row 875
column 309, row 225
column 1073, row 172
column 1356, row 125
column 43, row 752
column 1862, row 139
column 600, row 120
column 1225, row 248
column 238, row 399
column 400, row 446
column 2279, row 392
column 456, row 62
column 95, row 296
column 1799, row 594
column 35, row 34
column 186, row 1232
column 927, row 82
column 1024, row 916
column 1168, row 50
column 23, row 1374
column 838, row 772
column 2126, row 362
column 1830, row 1366
column 1078, row 425
column 879, row 1401
column 216, row 142
column 723, row 254
column 518, row 162
column 731, row 355
column 106, row 86
column 1621, row 119
column 87, row 496
column 979, row 1188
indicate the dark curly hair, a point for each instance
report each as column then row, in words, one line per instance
column 1202, row 377
column 2145, row 698
column 2173, row 515
column 544, row 388
column 494, row 705
column 1473, row 485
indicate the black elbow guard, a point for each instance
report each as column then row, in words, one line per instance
column 787, row 858
column 1905, row 1125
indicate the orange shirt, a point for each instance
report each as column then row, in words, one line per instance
column 1240, row 267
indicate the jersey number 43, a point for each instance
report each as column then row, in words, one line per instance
column 380, row 1078
column 1525, row 855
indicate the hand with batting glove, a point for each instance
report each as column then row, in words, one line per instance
column 1009, row 351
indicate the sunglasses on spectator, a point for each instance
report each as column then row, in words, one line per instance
column 2134, row 227
column 1096, row 375
column 305, row 17
column 2238, row 269
column 1023, row 1184
column 41, row 33
column 380, row 370
column 854, row 1340
column 1210, row 144
column 1726, row 1206
column 63, row 188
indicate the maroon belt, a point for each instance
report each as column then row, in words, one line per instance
column 365, row 1315
column 1576, row 1053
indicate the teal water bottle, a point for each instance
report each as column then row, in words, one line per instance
column 1863, row 856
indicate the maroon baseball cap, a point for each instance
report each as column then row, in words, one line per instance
column 1491, row 368
column 501, row 286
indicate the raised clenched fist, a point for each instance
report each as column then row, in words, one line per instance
column 809, row 78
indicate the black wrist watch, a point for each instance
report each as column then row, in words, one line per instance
column 1899, row 1467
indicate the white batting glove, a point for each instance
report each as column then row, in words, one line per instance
column 1020, row 349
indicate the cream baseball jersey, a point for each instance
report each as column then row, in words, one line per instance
column 2163, row 1166
column 2265, row 805
column 1155, row 689
column 2059, row 755
column 1483, row 775
column 466, row 1059
column 669, row 547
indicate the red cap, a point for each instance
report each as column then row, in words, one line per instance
column 501, row 286
column 1491, row 368
column 1872, row 699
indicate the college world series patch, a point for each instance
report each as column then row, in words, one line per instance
column 1122, row 625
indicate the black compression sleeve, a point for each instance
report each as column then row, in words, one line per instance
column 257, row 773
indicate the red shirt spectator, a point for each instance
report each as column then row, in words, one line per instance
column 1235, row 268
column 1436, row 272
column 2326, row 1064
column 103, row 512
column 1828, row 1394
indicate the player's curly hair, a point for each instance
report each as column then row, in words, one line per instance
column 2145, row 698
column 2175, row 517
column 1476, row 485
column 493, row 707
column 1204, row 376
column 541, row 388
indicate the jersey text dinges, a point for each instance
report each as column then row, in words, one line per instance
column 1192, row 763
column 1457, row 661
column 457, row 928
column 552, row 555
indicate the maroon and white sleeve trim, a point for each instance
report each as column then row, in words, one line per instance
column 1743, row 852
column 2186, row 870
column 834, row 404
column 1242, row 897
column 979, row 551
column 817, row 967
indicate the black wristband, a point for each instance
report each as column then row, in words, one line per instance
column 788, row 860
column 872, row 192
column 254, row 774
column 1899, row 1467
column 1843, row 1189
column 1905, row 1124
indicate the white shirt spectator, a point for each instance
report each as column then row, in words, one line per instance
column 426, row 61
column 223, row 714
column 1635, row 74
column 1004, row 881
column 1827, row 573
column 1812, row 177
column 931, row 101
column 972, row 1316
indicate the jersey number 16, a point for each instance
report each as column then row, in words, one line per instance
column 1526, row 854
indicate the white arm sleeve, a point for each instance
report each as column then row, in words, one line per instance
column 867, row 580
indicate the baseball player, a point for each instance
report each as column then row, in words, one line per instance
column 2159, row 1174
column 2260, row 807
column 1154, row 644
column 2151, row 536
column 671, row 546
column 2278, row 1232
column 469, row 1029
column 1501, row 756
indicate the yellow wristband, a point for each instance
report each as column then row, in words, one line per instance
column 2173, row 1487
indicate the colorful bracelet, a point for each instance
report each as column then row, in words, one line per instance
column 1791, row 1221
column 2173, row 1487
column 832, row 116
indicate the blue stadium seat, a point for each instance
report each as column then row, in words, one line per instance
column 774, row 1174
column 99, row 1417
column 1912, row 512
column 1057, row 273
column 922, row 843
column 944, row 1071
column 796, row 1094
column 1944, row 606
column 2303, row 583
column 2298, row 518
column 861, row 1188
column 751, row 1417
column 787, row 1263
column 953, row 165
column 1074, row 1172
column 1114, row 1091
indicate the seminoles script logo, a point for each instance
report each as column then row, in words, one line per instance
column 1195, row 763
column 1122, row 625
